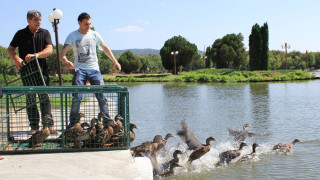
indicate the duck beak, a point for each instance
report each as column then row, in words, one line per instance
column 137, row 128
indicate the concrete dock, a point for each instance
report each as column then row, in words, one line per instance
column 111, row 165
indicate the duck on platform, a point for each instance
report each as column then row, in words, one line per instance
column 242, row 135
column 41, row 135
column 285, row 147
column 251, row 155
column 132, row 133
column 228, row 156
column 194, row 144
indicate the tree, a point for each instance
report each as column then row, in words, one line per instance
column 255, row 47
column 129, row 62
column 259, row 47
column 186, row 52
column 227, row 52
column 265, row 47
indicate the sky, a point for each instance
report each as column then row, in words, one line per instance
column 126, row 24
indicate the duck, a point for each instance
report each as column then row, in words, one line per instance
column 132, row 133
column 251, row 155
column 167, row 168
column 228, row 156
column 285, row 147
column 118, row 124
column 150, row 147
column 166, row 165
column 194, row 144
column 242, row 135
column 76, row 133
column 41, row 135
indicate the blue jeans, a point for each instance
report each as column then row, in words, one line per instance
column 80, row 78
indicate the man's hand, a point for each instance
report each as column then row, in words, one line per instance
column 18, row 63
column 117, row 66
column 69, row 65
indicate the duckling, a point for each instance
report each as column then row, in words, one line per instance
column 227, row 156
column 251, row 155
column 242, row 135
column 285, row 147
column 132, row 133
column 41, row 135
column 193, row 143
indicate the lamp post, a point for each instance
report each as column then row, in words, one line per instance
column 174, row 53
column 285, row 47
column 54, row 18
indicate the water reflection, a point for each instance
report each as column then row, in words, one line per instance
column 259, row 96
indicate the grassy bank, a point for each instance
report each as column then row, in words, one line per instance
column 204, row 75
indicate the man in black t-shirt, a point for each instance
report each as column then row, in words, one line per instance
column 31, row 42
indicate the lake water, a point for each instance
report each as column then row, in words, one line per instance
column 283, row 110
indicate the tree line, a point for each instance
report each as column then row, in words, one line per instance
column 226, row 52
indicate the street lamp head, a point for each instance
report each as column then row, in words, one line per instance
column 50, row 18
column 57, row 14
column 172, row 52
column 177, row 52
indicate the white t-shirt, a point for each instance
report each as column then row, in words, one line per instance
column 85, row 49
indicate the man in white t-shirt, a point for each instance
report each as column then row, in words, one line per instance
column 84, row 42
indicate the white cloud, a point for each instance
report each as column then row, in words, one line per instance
column 143, row 21
column 130, row 29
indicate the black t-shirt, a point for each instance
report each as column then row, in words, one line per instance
column 29, row 43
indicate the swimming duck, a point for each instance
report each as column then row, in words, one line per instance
column 41, row 135
column 251, row 155
column 132, row 133
column 285, row 147
column 227, row 156
column 165, row 169
column 193, row 143
column 242, row 135
column 166, row 166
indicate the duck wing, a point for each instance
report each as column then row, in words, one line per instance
column 154, row 162
column 233, row 132
column 190, row 139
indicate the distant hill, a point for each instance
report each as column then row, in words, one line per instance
column 137, row 51
column 143, row 51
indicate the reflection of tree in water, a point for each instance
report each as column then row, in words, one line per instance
column 259, row 93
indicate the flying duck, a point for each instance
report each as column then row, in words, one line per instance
column 193, row 143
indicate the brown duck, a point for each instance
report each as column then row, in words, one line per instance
column 193, row 143
column 41, row 135
column 242, row 135
column 150, row 147
column 132, row 133
column 285, row 147
column 228, row 156
column 251, row 155
column 76, row 133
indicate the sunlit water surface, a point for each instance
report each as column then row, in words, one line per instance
column 285, row 111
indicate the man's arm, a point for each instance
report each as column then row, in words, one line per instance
column 63, row 57
column 47, row 51
column 111, row 56
column 17, row 60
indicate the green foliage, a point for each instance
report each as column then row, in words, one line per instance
column 129, row 62
column 184, row 57
column 227, row 52
column 259, row 47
